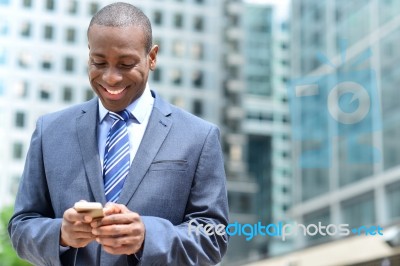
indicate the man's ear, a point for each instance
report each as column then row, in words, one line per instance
column 153, row 57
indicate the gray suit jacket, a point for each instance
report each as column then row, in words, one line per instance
column 177, row 175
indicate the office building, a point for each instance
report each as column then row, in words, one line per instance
column 354, row 176
column 257, row 131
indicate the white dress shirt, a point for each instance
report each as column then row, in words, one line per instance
column 141, row 111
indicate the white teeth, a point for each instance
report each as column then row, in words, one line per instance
column 114, row 92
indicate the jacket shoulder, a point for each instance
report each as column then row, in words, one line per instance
column 72, row 111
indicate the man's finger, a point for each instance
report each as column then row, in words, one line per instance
column 71, row 215
column 82, row 227
column 118, row 229
column 114, row 208
column 127, row 218
column 83, row 235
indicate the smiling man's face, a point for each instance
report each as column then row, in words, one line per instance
column 119, row 64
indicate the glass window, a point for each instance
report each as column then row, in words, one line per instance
column 47, row 62
column 178, row 48
column 70, row 35
column 176, row 76
column 72, row 7
column 241, row 202
column 178, row 21
column 3, row 27
column 89, row 94
column 44, row 95
column 25, row 29
column 50, row 5
column 359, row 211
column 20, row 89
column 20, row 119
column 234, row 20
column 349, row 154
column 284, row 26
column 197, row 51
column 158, row 18
column 48, row 32
column 24, row 59
column 178, row 101
column 157, row 74
column 198, row 107
column 197, row 79
column 27, row 3
column 17, row 150
column 392, row 201
column 198, row 24
column 322, row 216
column 93, row 8
column 45, row 91
column 69, row 64
column 314, row 182
column 67, row 94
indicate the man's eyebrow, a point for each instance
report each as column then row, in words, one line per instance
column 97, row 55
column 120, row 57
column 128, row 55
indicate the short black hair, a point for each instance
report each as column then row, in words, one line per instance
column 121, row 15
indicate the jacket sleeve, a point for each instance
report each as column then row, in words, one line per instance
column 168, row 244
column 33, row 229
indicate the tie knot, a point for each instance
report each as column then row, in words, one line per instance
column 122, row 115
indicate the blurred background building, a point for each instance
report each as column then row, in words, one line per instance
column 256, row 120
column 229, row 62
column 358, row 182
column 355, row 192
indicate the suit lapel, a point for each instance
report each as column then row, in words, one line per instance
column 155, row 134
column 86, row 126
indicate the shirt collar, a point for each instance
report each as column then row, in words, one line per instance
column 138, row 108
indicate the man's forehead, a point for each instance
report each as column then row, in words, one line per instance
column 110, row 27
column 121, row 34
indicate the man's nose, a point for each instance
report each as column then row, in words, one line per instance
column 112, row 76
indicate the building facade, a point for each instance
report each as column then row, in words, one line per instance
column 257, row 131
column 353, row 174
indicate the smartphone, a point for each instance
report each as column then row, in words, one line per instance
column 93, row 209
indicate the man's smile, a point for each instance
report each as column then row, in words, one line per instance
column 114, row 91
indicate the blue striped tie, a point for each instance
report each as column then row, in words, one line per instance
column 116, row 156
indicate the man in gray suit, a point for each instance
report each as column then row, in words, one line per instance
column 174, row 174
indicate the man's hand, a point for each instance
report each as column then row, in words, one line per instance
column 75, row 229
column 121, row 231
